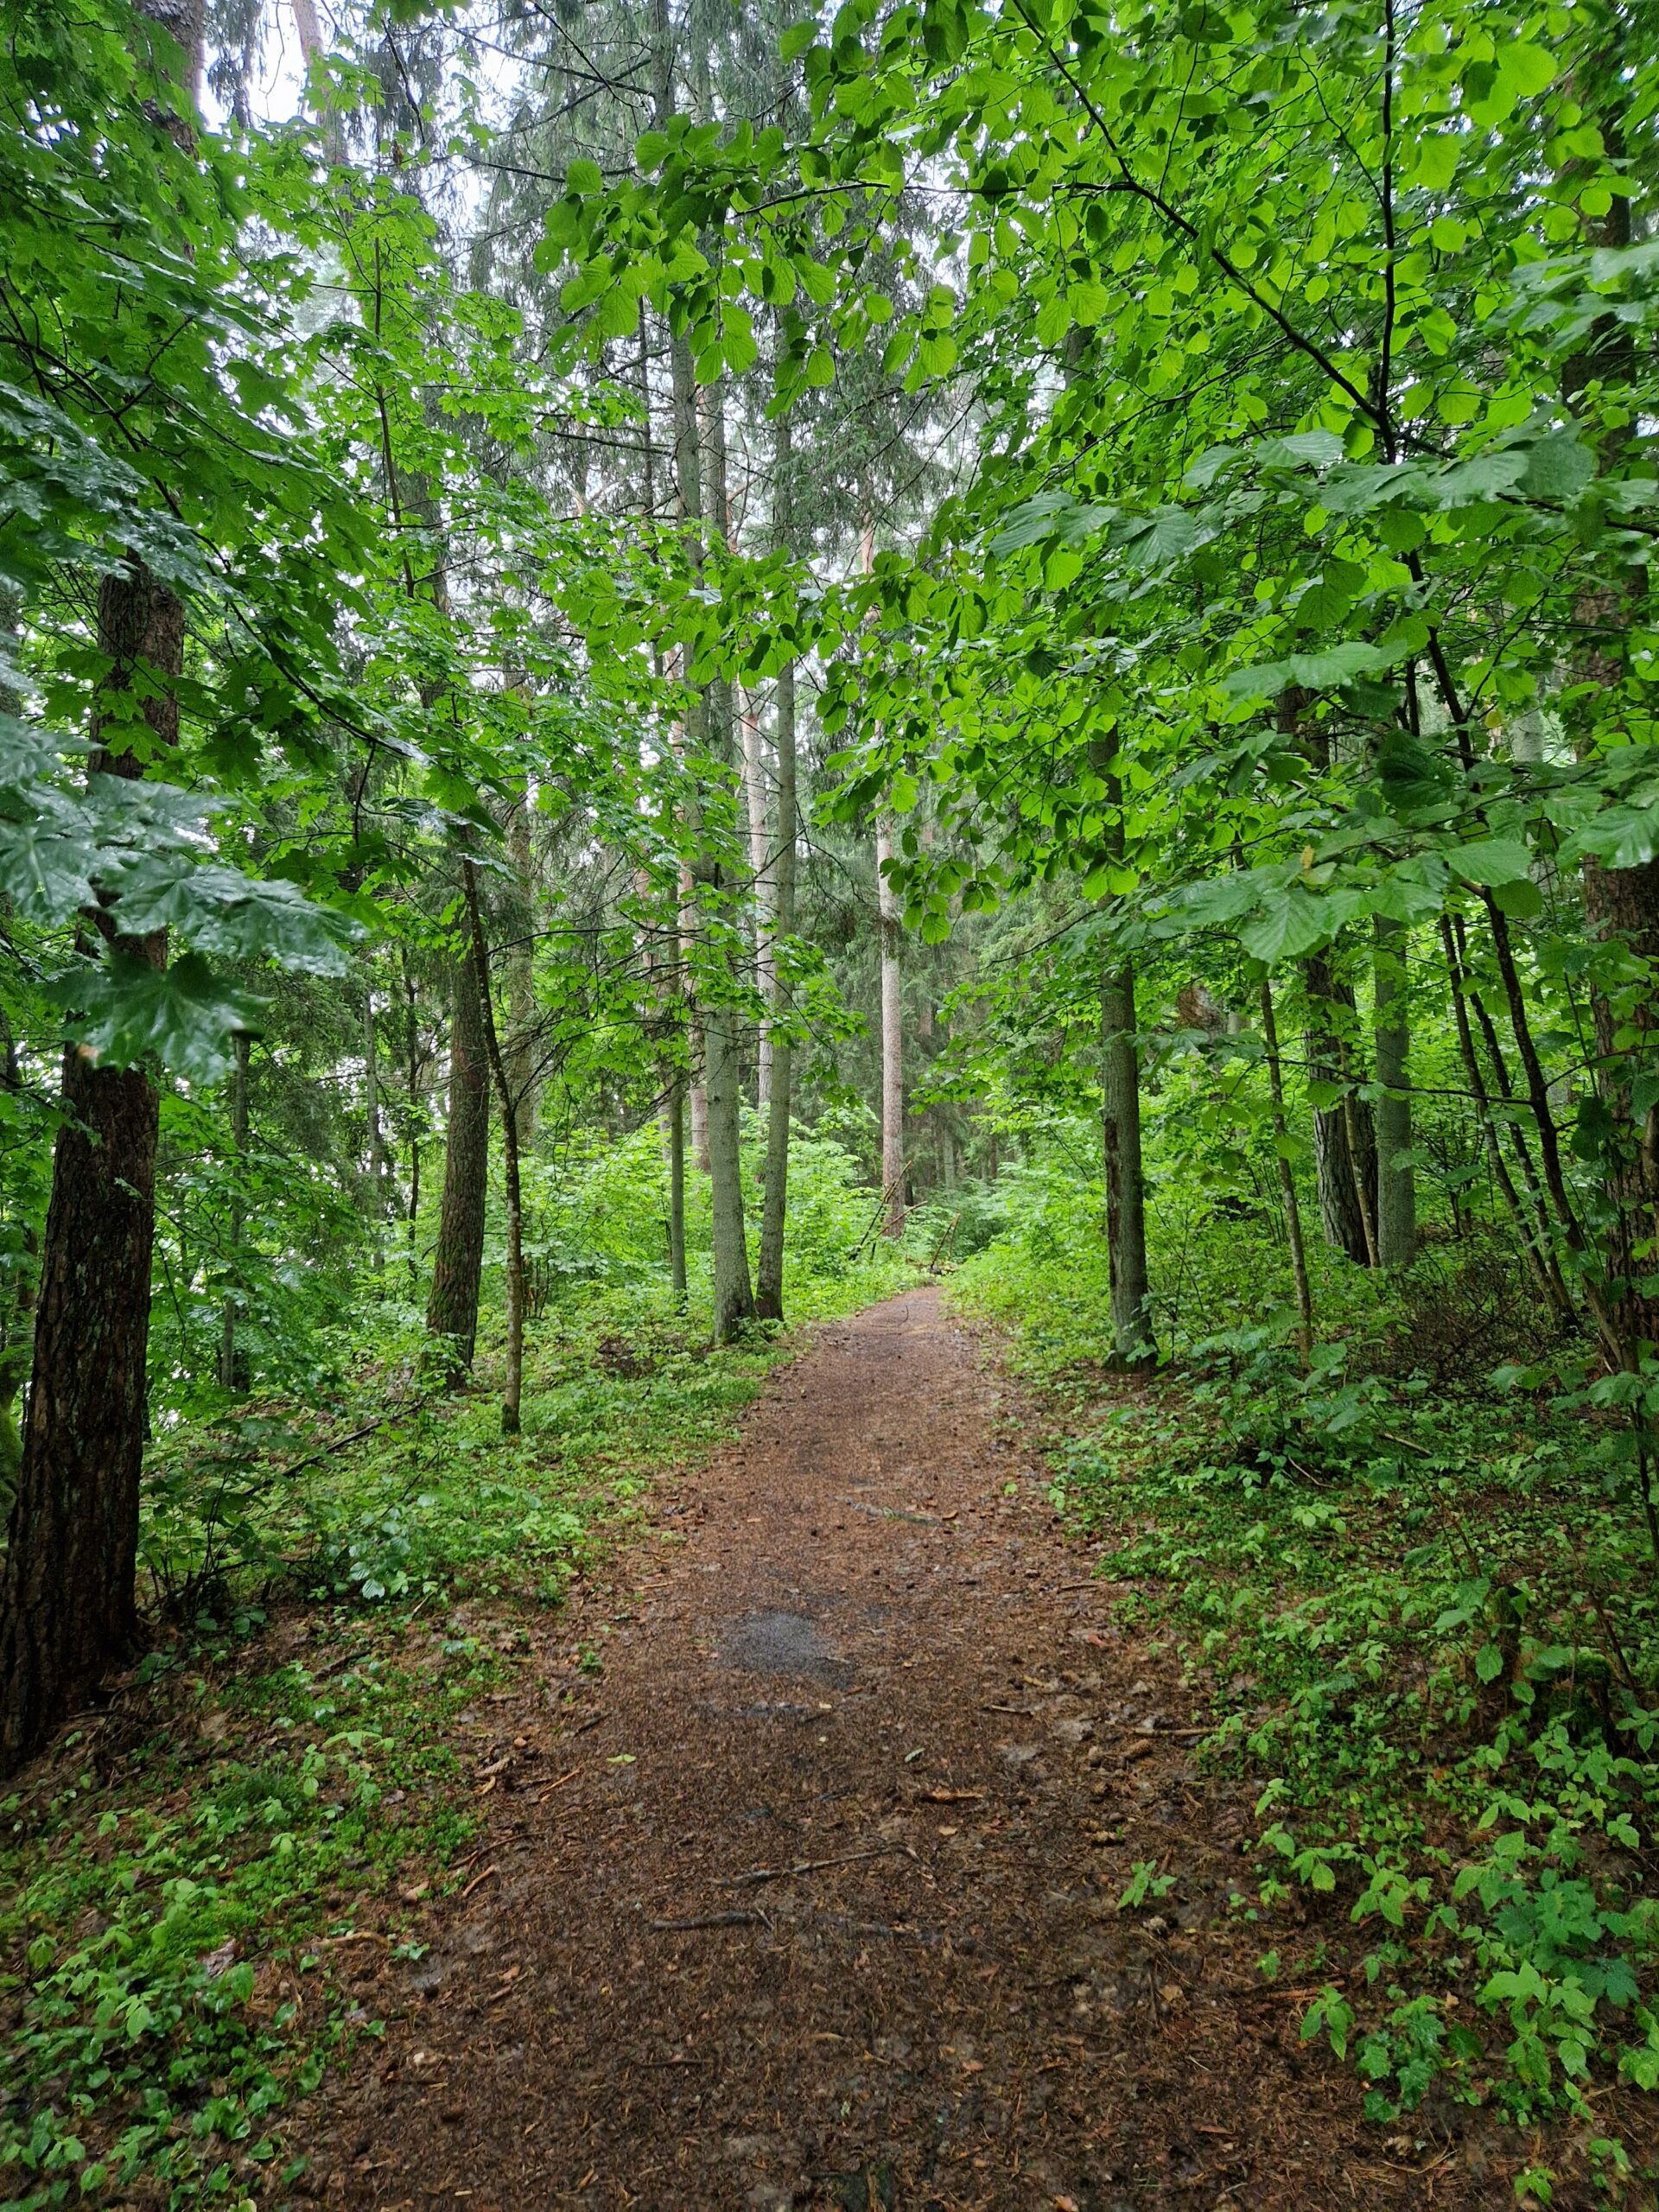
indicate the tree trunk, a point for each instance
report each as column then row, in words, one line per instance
column 1286, row 1175
column 1126, row 1189
column 512, row 1384
column 734, row 1293
column 674, row 1145
column 1344, row 1141
column 1624, row 904
column 452, row 1305
column 232, row 1367
column 68, row 1606
column 379, row 1166
column 769, row 1292
column 412, row 1044
column 756, row 794
column 1127, row 1274
column 893, row 1035
column 521, row 1051
column 1397, row 1190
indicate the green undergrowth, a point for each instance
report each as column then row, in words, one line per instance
column 177, row 1884
column 1419, row 1588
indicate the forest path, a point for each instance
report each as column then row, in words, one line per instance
column 812, row 1901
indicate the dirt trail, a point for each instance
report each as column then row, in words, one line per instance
column 822, row 1912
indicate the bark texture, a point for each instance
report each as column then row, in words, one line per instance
column 452, row 1305
column 68, row 1607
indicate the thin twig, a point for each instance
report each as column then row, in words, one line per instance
column 813, row 1866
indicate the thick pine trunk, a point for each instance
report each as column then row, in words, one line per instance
column 452, row 1305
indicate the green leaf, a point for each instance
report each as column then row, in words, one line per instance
column 1558, row 467
column 182, row 1017
column 1490, row 860
column 584, row 177
column 1529, row 68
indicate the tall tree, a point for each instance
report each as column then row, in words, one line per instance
column 67, row 1594
column 458, row 1262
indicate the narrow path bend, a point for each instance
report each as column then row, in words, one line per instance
column 824, row 1913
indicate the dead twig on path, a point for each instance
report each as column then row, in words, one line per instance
column 709, row 1920
column 813, row 1866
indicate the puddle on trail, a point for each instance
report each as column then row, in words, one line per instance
column 782, row 1643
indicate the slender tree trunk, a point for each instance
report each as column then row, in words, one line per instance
column 769, row 1296
column 451, row 1306
column 1126, row 1190
column 1397, row 1190
column 233, row 1370
column 733, row 1292
column 755, row 793
column 1128, row 1273
column 1534, row 1238
column 893, row 1033
column 379, row 1166
column 512, row 1386
column 68, row 1601
column 674, row 1144
column 1286, row 1177
column 520, row 1050
column 412, row 1043
column 1344, row 1141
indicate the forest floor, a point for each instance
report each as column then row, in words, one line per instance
column 811, row 1896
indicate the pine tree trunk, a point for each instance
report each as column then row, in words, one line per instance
column 769, row 1291
column 892, row 1035
column 452, row 1305
column 1397, row 1190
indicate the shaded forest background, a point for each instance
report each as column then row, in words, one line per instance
column 665, row 666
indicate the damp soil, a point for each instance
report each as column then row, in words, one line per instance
column 810, row 1898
